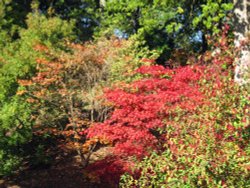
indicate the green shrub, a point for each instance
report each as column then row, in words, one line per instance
column 18, row 61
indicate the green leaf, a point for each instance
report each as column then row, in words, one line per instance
column 180, row 10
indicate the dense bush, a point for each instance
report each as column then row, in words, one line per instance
column 208, row 148
column 18, row 61
column 141, row 106
column 194, row 118
column 65, row 92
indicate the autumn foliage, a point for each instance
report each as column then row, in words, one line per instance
column 130, row 94
column 175, row 125
column 189, row 117
column 144, row 107
column 66, row 90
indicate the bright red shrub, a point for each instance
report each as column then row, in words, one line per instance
column 195, row 113
column 143, row 108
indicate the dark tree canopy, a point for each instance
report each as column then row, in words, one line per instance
column 166, row 25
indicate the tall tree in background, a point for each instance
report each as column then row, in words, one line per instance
column 13, row 14
column 165, row 25
column 84, row 12
column 242, row 24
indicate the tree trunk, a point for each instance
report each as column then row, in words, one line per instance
column 242, row 21
column 204, row 43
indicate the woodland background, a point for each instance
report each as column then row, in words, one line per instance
column 135, row 93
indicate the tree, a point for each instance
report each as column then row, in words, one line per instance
column 84, row 12
column 13, row 14
column 17, row 61
column 65, row 93
column 242, row 22
column 165, row 25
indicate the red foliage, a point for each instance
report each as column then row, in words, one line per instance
column 145, row 110
column 145, row 107
column 141, row 107
column 109, row 170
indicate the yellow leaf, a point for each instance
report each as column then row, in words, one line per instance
column 180, row 10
